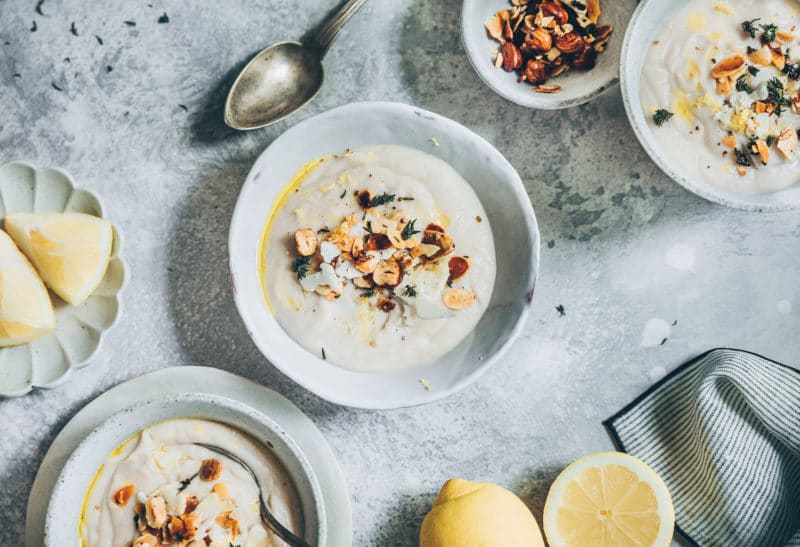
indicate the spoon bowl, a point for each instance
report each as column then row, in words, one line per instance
column 279, row 80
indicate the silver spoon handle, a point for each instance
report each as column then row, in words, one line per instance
column 330, row 30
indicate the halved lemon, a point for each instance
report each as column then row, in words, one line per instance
column 608, row 499
column 25, row 308
column 69, row 250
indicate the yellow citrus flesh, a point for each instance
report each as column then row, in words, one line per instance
column 70, row 251
column 609, row 499
column 468, row 514
column 25, row 308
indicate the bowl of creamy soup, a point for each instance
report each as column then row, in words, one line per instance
column 147, row 477
column 712, row 89
column 383, row 256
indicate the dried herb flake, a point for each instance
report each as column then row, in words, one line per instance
column 410, row 291
column 661, row 116
column 186, row 482
column 99, row 40
column 164, row 19
column 55, row 86
column 561, row 311
column 73, row 29
column 39, row 7
column 301, row 265
column 750, row 28
column 130, row 23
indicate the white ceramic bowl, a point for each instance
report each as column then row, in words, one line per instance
column 646, row 23
column 47, row 361
column 577, row 87
column 497, row 185
column 63, row 511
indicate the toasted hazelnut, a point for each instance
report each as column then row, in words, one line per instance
column 787, row 143
column 210, row 469
column 729, row 141
column 434, row 228
column 386, row 304
column 122, row 495
column 146, row 540
column 512, row 57
column 763, row 151
column 440, row 239
column 365, row 262
column 387, row 273
column 570, row 43
column 586, row 59
column 458, row 299
column 539, row 40
column 762, row 56
column 458, row 266
column 221, row 489
column 558, row 13
column 377, row 242
column 156, row 512
column 535, row 72
column 305, row 242
column 191, row 504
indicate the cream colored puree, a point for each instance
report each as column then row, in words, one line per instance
column 161, row 456
column 677, row 76
column 352, row 332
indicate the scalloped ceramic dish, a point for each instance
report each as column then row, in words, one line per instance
column 46, row 362
column 577, row 87
column 500, row 191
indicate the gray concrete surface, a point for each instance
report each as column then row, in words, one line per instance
column 139, row 120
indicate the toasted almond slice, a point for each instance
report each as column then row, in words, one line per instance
column 729, row 66
column 221, row 489
column 547, row 88
column 305, row 242
column 763, row 151
column 593, row 10
column 741, row 170
column 124, row 494
column 458, row 299
column 177, row 528
column 494, row 26
column 210, row 469
column 785, row 36
column 723, row 86
column 156, row 512
column 147, row 540
column 759, row 107
column 787, row 143
column 396, row 240
column 358, row 246
column 762, row 56
column 729, row 141
column 190, row 524
column 458, row 266
column 363, row 282
column 366, row 262
column 778, row 59
column 387, row 273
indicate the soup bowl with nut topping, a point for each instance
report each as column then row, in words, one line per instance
column 383, row 256
column 543, row 54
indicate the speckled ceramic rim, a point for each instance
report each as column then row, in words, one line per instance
column 119, row 246
column 634, row 50
column 388, row 390
column 93, row 450
column 478, row 55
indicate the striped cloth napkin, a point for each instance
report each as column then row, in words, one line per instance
column 723, row 431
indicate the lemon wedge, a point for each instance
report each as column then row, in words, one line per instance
column 69, row 250
column 25, row 308
column 608, row 499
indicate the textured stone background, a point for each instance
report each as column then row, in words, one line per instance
column 614, row 229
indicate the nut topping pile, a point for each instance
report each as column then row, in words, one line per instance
column 173, row 518
column 540, row 40
column 380, row 251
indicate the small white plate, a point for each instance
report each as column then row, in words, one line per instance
column 207, row 392
column 577, row 87
column 46, row 362
column 646, row 23
column 502, row 195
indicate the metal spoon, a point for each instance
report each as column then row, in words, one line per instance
column 266, row 516
column 283, row 77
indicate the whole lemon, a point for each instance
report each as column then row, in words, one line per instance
column 474, row 514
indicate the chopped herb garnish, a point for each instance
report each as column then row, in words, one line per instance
column 750, row 28
column 410, row 291
column 301, row 265
column 405, row 198
column 16, row 75
column 130, row 23
column 323, row 230
column 450, row 283
column 382, row 199
column 743, row 157
column 99, row 40
column 344, row 193
column 368, row 227
column 34, row 27
column 769, row 32
column 775, row 90
column 792, row 71
column 164, row 18
column 367, row 294
column 662, row 115
column 55, row 86
column 73, row 29
column 753, row 70
column 561, row 311
column 741, row 84
column 664, row 341
column 186, row 482
column 39, row 7
column 183, row 107
column 770, row 140
column 109, row 68
column 409, row 230
column 324, row 358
